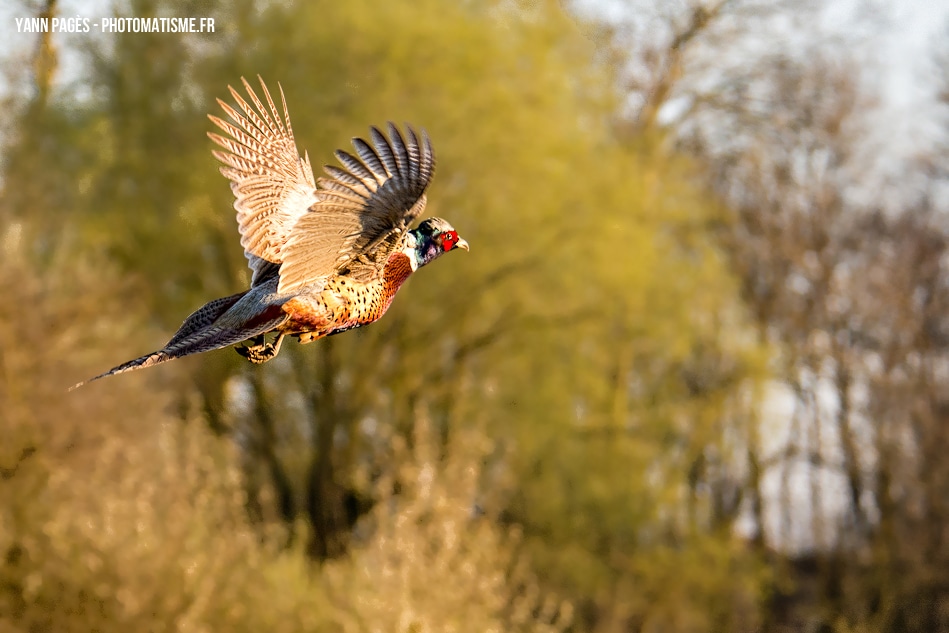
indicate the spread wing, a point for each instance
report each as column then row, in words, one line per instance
column 273, row 185
column 363, row 209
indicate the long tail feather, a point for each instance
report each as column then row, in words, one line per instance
column 139, row 363
column 203, row 317
column 200, row 334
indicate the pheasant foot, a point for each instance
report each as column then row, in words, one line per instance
column 260, row 352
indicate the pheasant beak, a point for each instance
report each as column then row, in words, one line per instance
column 461, row 244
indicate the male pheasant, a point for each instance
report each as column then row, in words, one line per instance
column 327, row 255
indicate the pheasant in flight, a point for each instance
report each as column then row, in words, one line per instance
column 327, row 255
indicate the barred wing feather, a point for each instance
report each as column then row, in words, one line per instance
column 273, row 185
column 362, row 210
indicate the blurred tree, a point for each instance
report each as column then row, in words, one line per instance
column 846, row 292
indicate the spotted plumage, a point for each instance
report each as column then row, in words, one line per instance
column 327, row 255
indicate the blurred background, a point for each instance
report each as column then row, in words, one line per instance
column 693, row 375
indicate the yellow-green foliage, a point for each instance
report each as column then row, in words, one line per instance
column 428, row 540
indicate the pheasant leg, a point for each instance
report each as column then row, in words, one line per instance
column 260, row 351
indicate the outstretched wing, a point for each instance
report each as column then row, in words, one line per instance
column 272, row 183
column 363, row 208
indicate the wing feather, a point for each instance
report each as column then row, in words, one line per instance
column 398, row 149
column 363, row 210
column 273, row 185
column 358, row 170
column 371, row 160
column 343, row 181
column 384, row 152
column 415, row 158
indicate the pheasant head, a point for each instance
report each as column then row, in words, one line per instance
column 431, row 239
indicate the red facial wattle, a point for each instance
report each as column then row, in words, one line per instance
column 449, row 239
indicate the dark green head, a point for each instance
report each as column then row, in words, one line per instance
column 434, row 237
